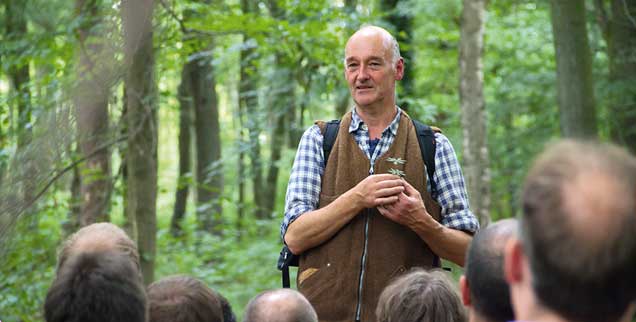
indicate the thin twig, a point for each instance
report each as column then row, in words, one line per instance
column 69, row 167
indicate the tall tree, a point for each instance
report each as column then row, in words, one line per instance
column 401, row 18
column 249, row 109
column 343, row 97
column 18, row 71
column 282, row 106
column 574, row 69
column 19, row 76
column 91, row 108
column 185, row 126
column 209, row 172
column 142, row 127
column 473, row 106
column 619, row 29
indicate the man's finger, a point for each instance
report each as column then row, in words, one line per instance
column 391, row 183
column 390, row 191
column 386, row 200
column 386, row 176
column 409, row 190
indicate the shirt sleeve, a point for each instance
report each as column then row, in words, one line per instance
column 451, row 189
column 303, row 189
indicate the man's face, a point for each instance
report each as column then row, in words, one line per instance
column 368, row 70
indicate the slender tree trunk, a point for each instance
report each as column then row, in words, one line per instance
column 622, row 57
column 16, row 30
column 471, row 93
column 130, row 220
column 91, row 108
column 402, row 20
column 282, row 105
column 248, row 96
column 185, row 124
column 142, row 127
column 574, row 69
column 208, row 144
column 72, row 222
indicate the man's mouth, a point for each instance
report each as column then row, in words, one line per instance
column 363, row 87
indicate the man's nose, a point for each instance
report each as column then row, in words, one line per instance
column 363, row 73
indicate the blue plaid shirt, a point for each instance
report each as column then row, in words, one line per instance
column 303, row 189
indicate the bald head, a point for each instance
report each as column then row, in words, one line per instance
column 99, row 237
column 368, row 33
column 282, row 305
column 578, row 229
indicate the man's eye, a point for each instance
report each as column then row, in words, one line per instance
column 352, row 66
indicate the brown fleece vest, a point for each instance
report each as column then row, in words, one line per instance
column 339, row 277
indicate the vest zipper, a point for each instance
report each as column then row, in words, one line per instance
column 363, row 260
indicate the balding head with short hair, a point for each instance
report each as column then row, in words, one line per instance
column 483, row 285
column 391, row 44
column 99, row 237
column 281, row 305
column 578, row 232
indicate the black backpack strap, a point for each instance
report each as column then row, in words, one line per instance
column 285, row 259
column 329, row 137
column 426, row 139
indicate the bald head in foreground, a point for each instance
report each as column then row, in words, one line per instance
column 575, row 259
column 282, row 305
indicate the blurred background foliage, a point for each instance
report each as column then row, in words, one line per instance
column 263, row 71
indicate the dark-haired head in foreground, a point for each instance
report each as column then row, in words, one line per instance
column 96, row 286
column 576, row 256
column 186, row 299
column 281, row 305
column 420, row 296
column 483, row 286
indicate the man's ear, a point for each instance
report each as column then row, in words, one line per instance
column 514, row 259
column 399, row 69
column 464, row 289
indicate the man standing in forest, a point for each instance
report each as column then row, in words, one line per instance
column 355, row 225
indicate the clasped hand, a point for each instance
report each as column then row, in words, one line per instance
column 394, row 197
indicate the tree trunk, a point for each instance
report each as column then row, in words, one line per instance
column 91, row 108
column 574, row 69
column 142, row 127
column 248, row 96
column 402, row 19
column 471, row 94
column 282, row 105
column 72, row 223
column 208, row 144
column 130, row 221
column 185, row 123
column 622, row 57
column 18, row 73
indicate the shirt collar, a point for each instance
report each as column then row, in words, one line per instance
column 356, row 121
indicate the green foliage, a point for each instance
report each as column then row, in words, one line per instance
column 28, row 264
